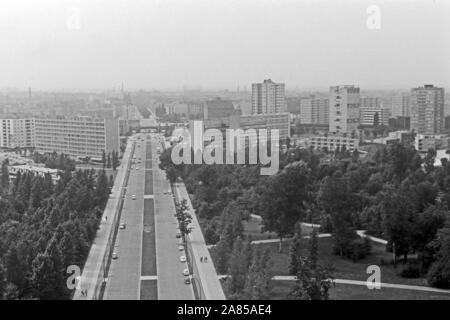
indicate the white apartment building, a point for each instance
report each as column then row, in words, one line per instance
column 268, row 97
column 344, row 104
column 314, row 111
column 424, row 142
column 77, row 137
column 372, row 111
column 427, row 109
column 333, row 142
column 17, row 133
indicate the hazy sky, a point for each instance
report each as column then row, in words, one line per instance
column 222, row 43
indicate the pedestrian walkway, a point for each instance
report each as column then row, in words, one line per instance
column 204, row 272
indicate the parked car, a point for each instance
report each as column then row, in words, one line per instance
column 133, row 197
column 182, row 259
column 186, row 272
column 122, row 226
column 114, row 255
column 187, row 281
column 181, row 247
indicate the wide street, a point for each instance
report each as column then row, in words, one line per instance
column 148, row 262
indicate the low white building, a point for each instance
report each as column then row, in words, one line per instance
column 42, row 171
column 333, row 142
column 424, row 142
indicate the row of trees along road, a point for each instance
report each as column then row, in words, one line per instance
column 46, row 227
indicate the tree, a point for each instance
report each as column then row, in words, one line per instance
column 115, row 160
column 184, row 218
column 294, row 252
column 2, row 280
column 283, row 200
column 258, row 284
column 399, row 217
column 376, row 119
column 337, row 200
column 238, row 267
column 5, row 176
column 108, row 161
column 439, row 273
column 44, row 278
column 102, row 189
column 313, row 280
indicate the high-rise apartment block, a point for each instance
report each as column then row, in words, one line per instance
column 268, row 97
column 427, row 109
column 16, row 132
column 78, row 137
column 372, row 112
column 314, row 111
column 344, row 109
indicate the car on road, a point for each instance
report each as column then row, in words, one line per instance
column 187, row 281
column 133, row 197
column 182, row 259
column 186, row 272
column 114, row 255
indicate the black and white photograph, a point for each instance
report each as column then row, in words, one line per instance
column 251, row 152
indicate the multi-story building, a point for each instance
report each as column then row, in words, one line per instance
column 400, row 106
column 195, row 110
column 314, row 111
column 372, row 112
column 424, row 142
column 333, row 142
column 427, row 109
column 278, row 121
column 344, row 109
column 17, row 132
column 268, row 97
column 218, row 108
column 404, row 137
column 78, row 137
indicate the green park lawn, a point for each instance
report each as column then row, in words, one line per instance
column 343, row 268
column 354, row 292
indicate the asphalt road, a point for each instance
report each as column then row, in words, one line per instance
column 170, row 270
column 125, row 271
column 148, row 264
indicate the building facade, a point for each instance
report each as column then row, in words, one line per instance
column 78, row 137
column 400, row 106
column 218, row 108
column 314, row 111
column 344, row 109
column 424, row 142
column 333, row 142
column 17, row 133
column 268, row 97
column 372, row 112
column 427, row 110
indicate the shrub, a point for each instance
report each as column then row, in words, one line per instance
column 439, row 274
column 359, row 249
column 412, row 270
